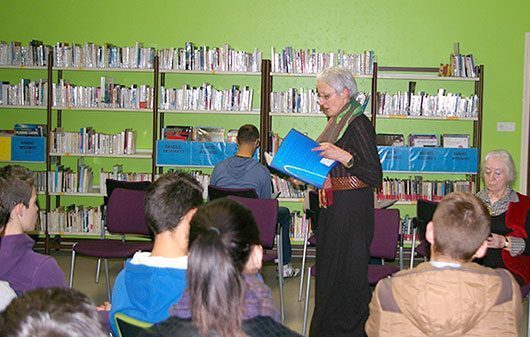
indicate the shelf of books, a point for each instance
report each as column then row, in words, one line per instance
column 417, row 162
column 204, row 93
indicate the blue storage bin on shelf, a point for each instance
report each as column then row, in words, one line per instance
column 183, row 153
column 429, row 159
column 28, row 149
column 173, row 152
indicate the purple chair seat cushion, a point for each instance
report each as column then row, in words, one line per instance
column 111, row 248
column 269, row 255
column 378, row 272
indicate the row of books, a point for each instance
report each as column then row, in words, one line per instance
column 406, row 231
column 107, row 95
column 203, row 58
column 118, row 174
column 206, row 98
column 73, row 219
column 15, row 54
column 423, row 140
column 414, row 188
column 443, row 104
column 199, row 133
column 24, row 93
column 302, row 100
column 285, row 189
column 91, row 55
column 66, row 180
column 299, row 226
column 310, row 61
column 88, row 141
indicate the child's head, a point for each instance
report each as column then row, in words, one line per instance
column 459, row 228
column 51, row 312
column 169, row 199
column 224, row 243
column 18, row 199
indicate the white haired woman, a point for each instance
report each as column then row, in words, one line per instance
column 346, row 217
column 508, row 245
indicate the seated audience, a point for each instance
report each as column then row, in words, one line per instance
column 450, row 295
column 52, row 312
column 243, row 171
column 225, row 295
column 152, row 281
column 20, row 265
column 509, row 244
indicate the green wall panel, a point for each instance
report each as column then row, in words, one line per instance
column 402, row 33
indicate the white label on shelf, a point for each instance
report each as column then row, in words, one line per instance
column 506, row 126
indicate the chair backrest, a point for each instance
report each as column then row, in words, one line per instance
column 386, row 233
column 265, row 213
column 216, row 192
column 425, row 210
column 126, row 212
column 128, row 326
column 112, row 184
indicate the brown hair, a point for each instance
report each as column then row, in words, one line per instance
column 246, row 134
column 51, row 312
column 222, row 234
column 461, row 223
column 169, row 198
column 16, row 187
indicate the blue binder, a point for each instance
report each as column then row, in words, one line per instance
column 296, row 159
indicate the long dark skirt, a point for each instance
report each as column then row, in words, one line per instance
column 342, row 294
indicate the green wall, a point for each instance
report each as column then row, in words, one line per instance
column 402, row 33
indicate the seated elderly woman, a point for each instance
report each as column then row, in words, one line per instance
column 508, row 245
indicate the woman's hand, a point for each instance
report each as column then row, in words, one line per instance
column 496, row 241
column 332, row 151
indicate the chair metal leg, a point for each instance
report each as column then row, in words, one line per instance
column 98, row 269
column 106, row 264
column 306, row 303
column 302, row 270
column 280, row 275
column 413, row 248
column 72, row 262
column 401, row 257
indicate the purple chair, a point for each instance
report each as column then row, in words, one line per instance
column 384, row 246
column 265, row 212
column 384, row 243
column 216, row 192
column 424, row 212
column 124, row 215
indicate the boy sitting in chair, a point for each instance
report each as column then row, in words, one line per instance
column 20, row 266
column 152, row 281
column 450, row 295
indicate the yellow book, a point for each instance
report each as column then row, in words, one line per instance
column 5, row 148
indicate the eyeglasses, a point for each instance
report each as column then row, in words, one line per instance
column 322, row 96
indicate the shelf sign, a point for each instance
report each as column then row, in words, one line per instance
column 175, row 152
column 428, row 159
column 28, row 149
column 172, row 152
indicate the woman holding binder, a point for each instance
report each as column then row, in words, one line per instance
column 346, row 219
